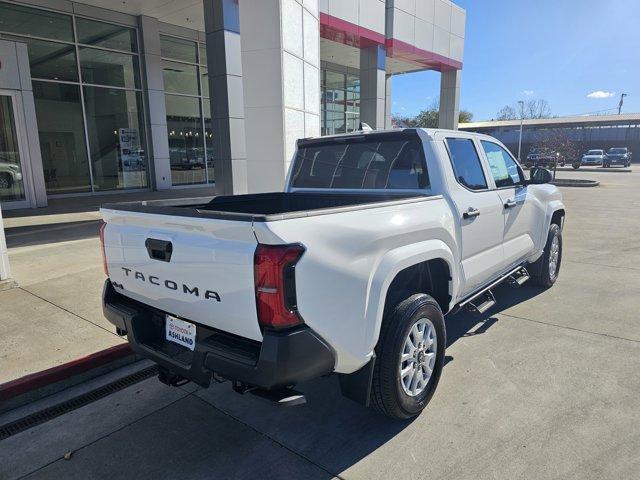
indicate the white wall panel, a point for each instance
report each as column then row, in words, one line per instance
column 403, row 26
column 458, row 18
column 441, row 41
column 424, row 35
column 372, row 15
column 345, row 10
column 442, row 17
column 425, row 9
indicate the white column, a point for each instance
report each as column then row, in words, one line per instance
column 281, row 80
column 156, row 118
column 449, row 99
column 388, row 105
column 222, row 28
column 5, row 271
column 373, row 86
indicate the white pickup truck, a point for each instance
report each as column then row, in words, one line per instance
column 349, row 271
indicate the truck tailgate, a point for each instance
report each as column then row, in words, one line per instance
column 198, row 269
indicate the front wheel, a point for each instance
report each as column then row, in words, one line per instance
column 576, row 166
column 545, row 270
column 409, row 357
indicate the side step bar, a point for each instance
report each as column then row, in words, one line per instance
column 482, row 303
column 518, row 278
column 484, row 299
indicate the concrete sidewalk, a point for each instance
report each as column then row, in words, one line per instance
column 56, row 315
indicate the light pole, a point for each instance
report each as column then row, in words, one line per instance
column 521, row 103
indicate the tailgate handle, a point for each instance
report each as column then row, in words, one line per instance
column 159, row 249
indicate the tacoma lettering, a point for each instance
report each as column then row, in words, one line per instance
column 170, row 284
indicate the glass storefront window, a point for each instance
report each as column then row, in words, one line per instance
column 53, row 61
column 106, row 35
column 102, row 67
column 340, row 101
column 35, row 22
column 62, row 139
column 11, row 183
column 186, row 142
column 116, row 140
column 180, row 78
column 178, row 49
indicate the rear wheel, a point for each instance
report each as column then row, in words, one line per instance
column 546, row 269
column 576, row 166
column 409, row 357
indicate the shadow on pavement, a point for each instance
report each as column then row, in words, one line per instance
column 51, row 233
column 333, row 431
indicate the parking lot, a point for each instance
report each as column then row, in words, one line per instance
column 545, row 385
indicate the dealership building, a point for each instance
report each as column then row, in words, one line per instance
column 103, row 96
column 573, row 135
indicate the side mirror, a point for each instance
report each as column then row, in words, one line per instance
column 538, row 176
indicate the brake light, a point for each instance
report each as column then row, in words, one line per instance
column 104, row 254
column 274, row 277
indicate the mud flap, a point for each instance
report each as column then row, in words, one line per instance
column 356, row 386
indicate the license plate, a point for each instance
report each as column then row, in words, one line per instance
column 180, row 332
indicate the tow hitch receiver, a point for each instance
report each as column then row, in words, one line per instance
column 285, row 397
column 171, row 379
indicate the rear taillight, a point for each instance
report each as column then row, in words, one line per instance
column 104, row 255
column 275, row 283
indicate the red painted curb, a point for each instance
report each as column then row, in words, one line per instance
column 36, row 380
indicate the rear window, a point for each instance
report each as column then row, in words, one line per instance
column 361, row 163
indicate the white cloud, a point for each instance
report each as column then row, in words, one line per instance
column 528, row 93
column 600, row 94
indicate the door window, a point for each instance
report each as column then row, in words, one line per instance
column 466, row 163
column 11, row 186
column 504, row 169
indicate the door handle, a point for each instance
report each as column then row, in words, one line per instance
column 510, row 203
column 470, row 213
column 159, row 249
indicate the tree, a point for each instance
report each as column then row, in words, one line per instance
column 531, row 109
column 429, row 117
column 539, row 108
column 506, row 113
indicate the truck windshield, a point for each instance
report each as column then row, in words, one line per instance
column 361, row 163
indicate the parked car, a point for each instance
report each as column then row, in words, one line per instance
column 10, row 174
column 617, row 156
column 349, row 271
column 544, row 157
column 592, row 157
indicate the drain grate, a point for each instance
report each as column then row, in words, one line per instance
column 50, row 413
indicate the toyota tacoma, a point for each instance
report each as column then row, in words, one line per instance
column 349, row 271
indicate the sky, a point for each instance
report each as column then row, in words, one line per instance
column 579, row 55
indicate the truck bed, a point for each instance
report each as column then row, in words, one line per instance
column 269, row 206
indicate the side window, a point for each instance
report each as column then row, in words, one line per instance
column 504, row 169
column 466, row 163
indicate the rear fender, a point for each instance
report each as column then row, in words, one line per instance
column 394, row 262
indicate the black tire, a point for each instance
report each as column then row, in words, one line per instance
column 387, row 394
column 606, row 165
column 576, row 166
column 540, row 271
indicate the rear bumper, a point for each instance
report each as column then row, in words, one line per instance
column 282, row 359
